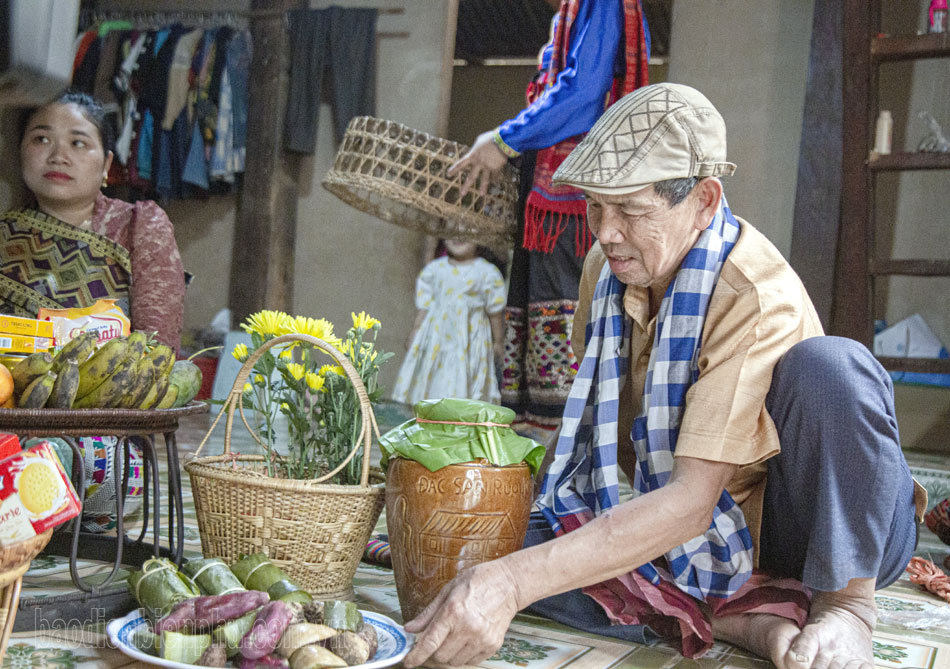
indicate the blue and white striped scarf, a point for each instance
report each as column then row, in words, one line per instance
column 583, row 477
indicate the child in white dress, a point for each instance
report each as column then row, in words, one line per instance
column 459, row 329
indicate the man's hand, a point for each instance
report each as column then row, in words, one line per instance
column 482, row 161
column 467, row 621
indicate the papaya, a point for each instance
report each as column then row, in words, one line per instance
column 65, row 386
column 186, row 376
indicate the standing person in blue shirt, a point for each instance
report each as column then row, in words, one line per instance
column 598, row 52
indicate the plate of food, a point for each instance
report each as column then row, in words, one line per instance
column 247, row 615
column 130, row 634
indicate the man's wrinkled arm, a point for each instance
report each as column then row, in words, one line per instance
column 467, row 621
column 626, row 536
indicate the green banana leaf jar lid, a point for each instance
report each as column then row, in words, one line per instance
column 452, row 431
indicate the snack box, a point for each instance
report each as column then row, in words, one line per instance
column 10, row 343
column 31, row 327
column 105, row 317
column 35, row 493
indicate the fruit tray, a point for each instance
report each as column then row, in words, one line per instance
column 107, row 421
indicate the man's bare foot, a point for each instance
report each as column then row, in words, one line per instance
column 837, row 634
column 763, row 634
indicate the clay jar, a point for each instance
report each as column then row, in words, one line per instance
column 442, row 522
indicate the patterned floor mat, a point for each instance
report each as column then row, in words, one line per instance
column 531, row 642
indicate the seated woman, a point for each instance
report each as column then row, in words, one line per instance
column 75, row 245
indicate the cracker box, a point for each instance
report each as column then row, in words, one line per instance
column 31, row 327
column 10, row 343
column 35, row 493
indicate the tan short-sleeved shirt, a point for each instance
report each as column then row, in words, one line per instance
column 758, row 310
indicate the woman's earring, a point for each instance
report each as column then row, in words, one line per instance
column 105, row 180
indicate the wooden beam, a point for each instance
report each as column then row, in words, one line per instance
column 262, row 258
column 851, row 313
column 818, row 190
column 931, row 45
column 448, row 61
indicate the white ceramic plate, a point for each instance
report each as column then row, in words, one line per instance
column 394, row 641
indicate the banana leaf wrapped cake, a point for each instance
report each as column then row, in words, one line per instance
column 159, row 586
column 212, row 576
column 257, row 572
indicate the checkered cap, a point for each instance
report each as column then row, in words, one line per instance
column 658, row 132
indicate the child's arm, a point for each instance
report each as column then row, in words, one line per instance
column 420, row 316
column 497, row 321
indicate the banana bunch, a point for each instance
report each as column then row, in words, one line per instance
column 129, row 372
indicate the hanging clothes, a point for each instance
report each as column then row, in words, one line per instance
column 228, row 154
column 347, row 38
column 163, row 90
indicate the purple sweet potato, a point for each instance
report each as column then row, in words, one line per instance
column 215, row 655
column 267, row 629
column 178, row 618
column 213, row 610
column 204, row 613
column 265, row 662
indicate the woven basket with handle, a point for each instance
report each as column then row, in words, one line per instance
column 14, row 561
column 316, row 532
column 398, row 174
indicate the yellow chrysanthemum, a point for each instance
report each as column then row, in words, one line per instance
column 331, row 369
column 240, row 352
column 284, row 406
column 320, row 328
column 363, row 321
column 267, row 323
column 248, row 388
column 315, row 381
column 286, row 354
column 346, row 348
column 259, row 379
column 296, row 370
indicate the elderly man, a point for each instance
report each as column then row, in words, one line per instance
column 771, row 496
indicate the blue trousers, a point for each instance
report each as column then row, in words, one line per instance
column 839, row 499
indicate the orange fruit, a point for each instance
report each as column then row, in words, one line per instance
column 9, row 404
column 6, row 384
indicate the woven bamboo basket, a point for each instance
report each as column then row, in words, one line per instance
column 399, row 175
column 14, row 561
column 316, row 532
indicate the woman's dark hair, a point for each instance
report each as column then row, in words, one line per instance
column 91, row 109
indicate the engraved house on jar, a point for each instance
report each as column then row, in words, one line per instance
column 451, row 536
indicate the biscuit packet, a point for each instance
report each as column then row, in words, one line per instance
column 105, row 317
column 35, row 492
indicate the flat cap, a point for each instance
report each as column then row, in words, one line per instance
column 658, row 132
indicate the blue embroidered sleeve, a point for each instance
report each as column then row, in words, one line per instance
column 576, row 100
